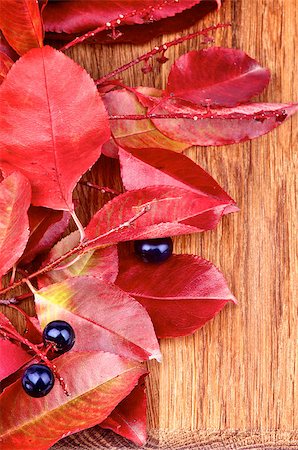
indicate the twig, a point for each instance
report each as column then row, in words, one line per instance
column 102, row 189
column 81, row 248
column 260, row 116
column 160, row 49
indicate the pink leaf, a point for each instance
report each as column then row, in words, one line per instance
column 128, row 419
column 226, row 126
column 46, row 227
column 21, row 24
column 12, row 356
column 103, row 317
column 135, row 133
column 15, row 195
column 170, row 211
column 162, row 167
column 195, row 292
column 102, row 263
column 97, row 382
column 61, row 128
column 216, row 76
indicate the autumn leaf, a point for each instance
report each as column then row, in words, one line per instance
column 97, row 382
column 128, row 419
column 53, row 124
column 195, row 292
column 216, row 76
column 77, row 16
column 102, row 263
column 46, row 227
column 167, row 211
column 15, row 196
column 21, row 24
column 226, row 126
column 134, row 133
column 156, row 167
column 101, row 315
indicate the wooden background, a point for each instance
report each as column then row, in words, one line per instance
column 235, row 380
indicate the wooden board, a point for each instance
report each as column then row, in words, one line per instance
column 236, row 379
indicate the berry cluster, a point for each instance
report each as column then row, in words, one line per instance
column 38, row 379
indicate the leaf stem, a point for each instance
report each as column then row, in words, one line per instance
column 81, row 248
column 102, row 189
column 260, row 116
column 79, row 225
column 160, row 49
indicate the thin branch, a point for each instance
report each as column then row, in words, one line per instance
column 81, row 248
column 102, row 189
column 160, row 49
column 260, row 116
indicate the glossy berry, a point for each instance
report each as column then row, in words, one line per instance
column 61, row 334
column 154, row 250
column 38, row 380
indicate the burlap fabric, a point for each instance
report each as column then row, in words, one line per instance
column 95, row 438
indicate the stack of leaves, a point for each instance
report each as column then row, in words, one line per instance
column 56, row 121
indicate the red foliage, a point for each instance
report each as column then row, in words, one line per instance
column 196, row 292
column 78, row 16
column 20, row 22
column 56, row 136
column 129, row 417
column 216, row 76
column 53, row 127
column 15, row 196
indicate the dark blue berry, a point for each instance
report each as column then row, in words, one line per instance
column 61, row 334
column 38, row 380
column 154, row 250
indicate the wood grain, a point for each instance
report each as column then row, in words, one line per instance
column 240, row 371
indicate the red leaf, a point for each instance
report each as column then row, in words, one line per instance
column 61, row 128
column 135, row 133
column 5, row 65
column 102, row 263
column 129, row 417
column 21, row 25
column 77, row 16
column 196, row 292
column 12, row 356
column 15, row 195
column 97, row 382
column 46, row 227
column 163, row 167
column 103, row 317
column 216, row 76
column 227, row 126
column 173, row 211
